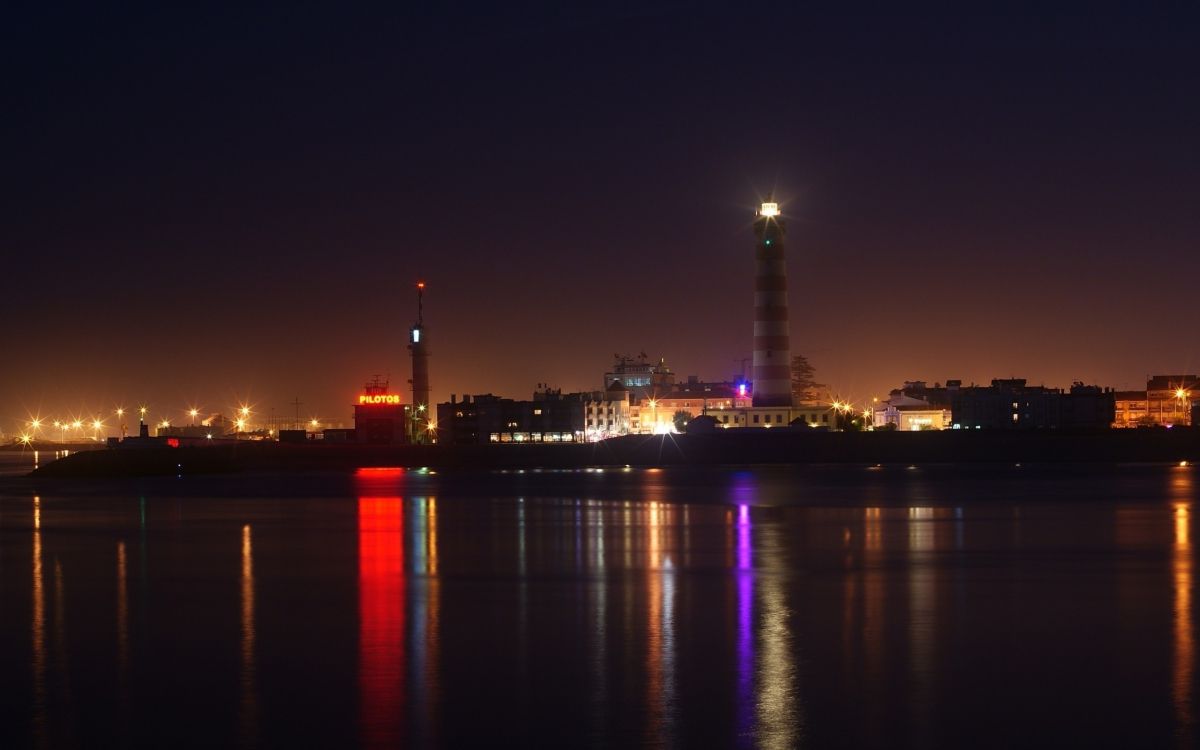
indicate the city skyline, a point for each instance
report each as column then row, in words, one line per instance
column 1025, row 212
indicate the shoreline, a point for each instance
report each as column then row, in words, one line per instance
column 742, row 448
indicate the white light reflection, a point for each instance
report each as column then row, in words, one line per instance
column 779, row 719
column 598, row 605
column 921, row 611
column 660, row 657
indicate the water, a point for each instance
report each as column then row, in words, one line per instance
column 851, row 607
column 21, row 462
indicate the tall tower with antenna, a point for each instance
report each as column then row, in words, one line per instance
column 772, row 374
column 418, row 345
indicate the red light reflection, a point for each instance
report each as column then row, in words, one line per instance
column 381, row 611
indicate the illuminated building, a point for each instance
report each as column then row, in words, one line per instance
column 641, row 378
column 212, row 427
column 916, row 407
column 1168, row 400
column 379, row 416
column 1130, row 409
column 695, row 398
column 607, row 413
column 910, row 414
column 772, row 373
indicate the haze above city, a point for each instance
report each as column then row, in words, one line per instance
column 211, row 208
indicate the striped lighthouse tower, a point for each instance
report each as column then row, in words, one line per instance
column 772, row 374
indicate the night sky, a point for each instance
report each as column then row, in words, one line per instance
column 207, row 207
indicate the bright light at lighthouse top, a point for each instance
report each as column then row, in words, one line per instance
column 769, row 210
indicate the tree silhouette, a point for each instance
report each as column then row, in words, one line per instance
column 805, row 390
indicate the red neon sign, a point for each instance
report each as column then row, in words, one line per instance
column 378, row 398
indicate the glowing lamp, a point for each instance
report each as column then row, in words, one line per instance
column 741, row 389
column 769, row 210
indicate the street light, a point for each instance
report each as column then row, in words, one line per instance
column 192, row 413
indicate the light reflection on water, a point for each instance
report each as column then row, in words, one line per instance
column 436, row 619
column 1184, row 658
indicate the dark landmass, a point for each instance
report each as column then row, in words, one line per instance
column 730, row 448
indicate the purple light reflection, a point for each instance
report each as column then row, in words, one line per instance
column 745, row 634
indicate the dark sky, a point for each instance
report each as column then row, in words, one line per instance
column 208, row 206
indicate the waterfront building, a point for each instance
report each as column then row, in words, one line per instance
column 910, row 414
column 1168, row 401
column 639, row 376
column 212, row 427
column 1130, row 409
column 916, row 406
column 607, row 413
column 1012, row 404
column 379, row 416
column 550, row 417
column 694, row 398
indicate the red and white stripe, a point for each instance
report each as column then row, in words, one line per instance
column 772, row 373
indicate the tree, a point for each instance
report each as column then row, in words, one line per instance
column 805, row 390
column 681, row 419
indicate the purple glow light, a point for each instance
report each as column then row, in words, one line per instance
column 745, row 634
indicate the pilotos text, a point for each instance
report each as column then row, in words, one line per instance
column 378, row 398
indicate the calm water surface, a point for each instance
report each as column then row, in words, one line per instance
column 850, row 607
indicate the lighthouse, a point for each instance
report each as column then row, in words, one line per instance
column 771, row 374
